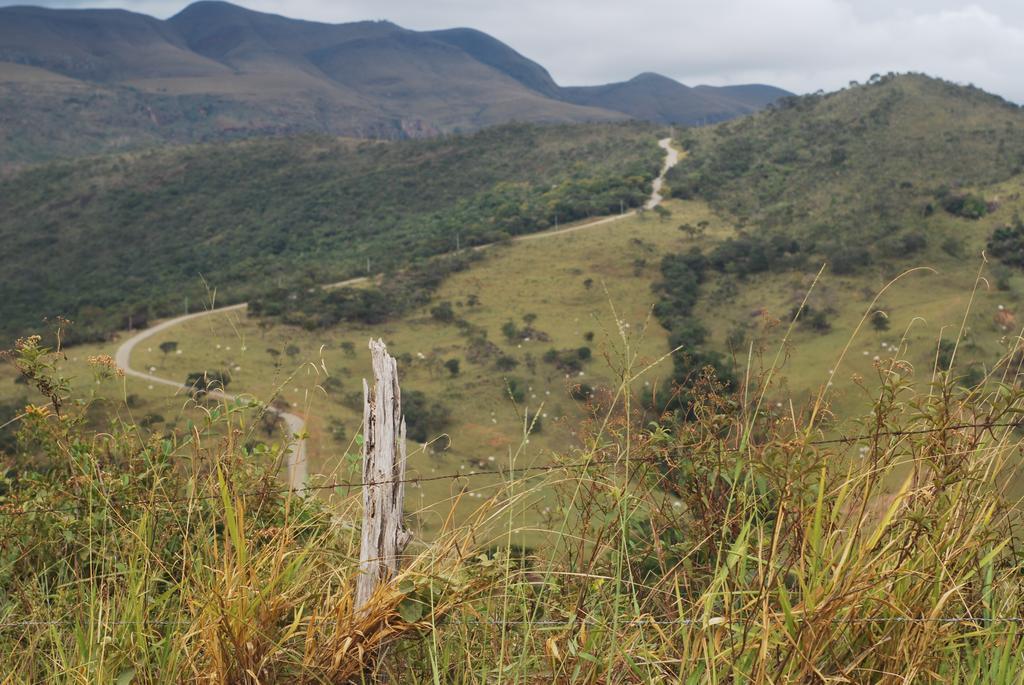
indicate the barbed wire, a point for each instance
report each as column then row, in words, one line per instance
column 583, row 464
column 688, row 622
column 543, row 468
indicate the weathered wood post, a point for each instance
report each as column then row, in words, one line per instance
column 383, row 535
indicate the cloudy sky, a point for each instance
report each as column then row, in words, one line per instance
column 802, row 45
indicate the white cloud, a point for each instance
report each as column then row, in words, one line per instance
column 802, row 45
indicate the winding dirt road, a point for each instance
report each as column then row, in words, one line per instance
column 296, row 461
column 296, row 424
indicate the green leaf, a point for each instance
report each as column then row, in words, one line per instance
column 125, row 677
column 410, row 610
column 406, row 586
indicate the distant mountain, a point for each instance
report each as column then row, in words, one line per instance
column 83, row 81
column 657, row 98
column 649, row 96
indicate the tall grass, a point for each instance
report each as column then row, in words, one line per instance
column 740, row 545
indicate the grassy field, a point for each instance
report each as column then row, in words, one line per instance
column 131, row 561
column 593, row 282
column 923, row 306
column 587, row 288
column 543, row 277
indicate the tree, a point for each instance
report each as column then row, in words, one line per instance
column 453, row 366
column 663, row 214
column 292, row 351
column 693, row 231
column 349, row 348
column 168, row 346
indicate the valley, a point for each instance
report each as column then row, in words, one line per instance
column 696, row 384
column 587, row 285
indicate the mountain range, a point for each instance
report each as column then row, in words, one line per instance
column 84, row 81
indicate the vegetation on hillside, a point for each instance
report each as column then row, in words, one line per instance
column 732, row 547
column 111, row 241
column 853, row 175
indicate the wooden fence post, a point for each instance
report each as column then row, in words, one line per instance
column 383, row 535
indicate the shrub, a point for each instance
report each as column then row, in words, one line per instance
column 849, row 259
column 424, row 419
column 337, row 431
column 515, row 389
column 1006, row 243
column 534, row 422
column 964, row 205
column 880, row 320
column 944, row 358
column 200, row 383
column 811, row 318
column 443, row 312
column 581, row 392
column 954, row 247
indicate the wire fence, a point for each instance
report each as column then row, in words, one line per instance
column 510, row 474
column 579, row 465
column 568, row 623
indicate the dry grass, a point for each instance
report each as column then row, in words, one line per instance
column 733, row 547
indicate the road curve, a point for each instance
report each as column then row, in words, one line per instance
column 296, row 461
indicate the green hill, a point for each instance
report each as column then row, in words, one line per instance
column 104, row 238
column 851, row 168
column 906, row 171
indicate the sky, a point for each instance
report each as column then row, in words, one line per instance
column 800, row 45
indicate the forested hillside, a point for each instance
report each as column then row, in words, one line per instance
column 103, row 239
column 851, row 174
